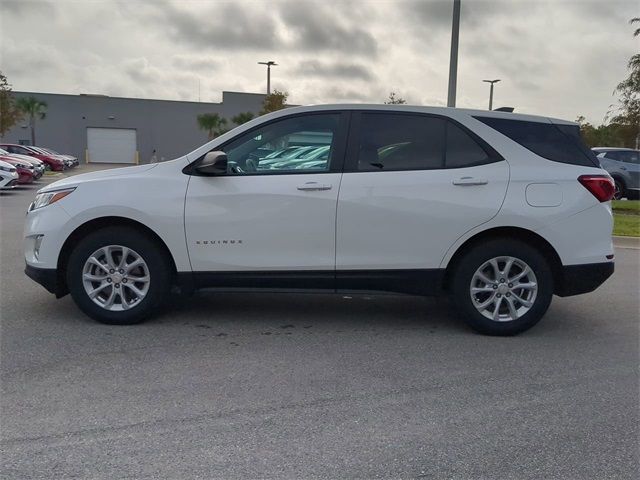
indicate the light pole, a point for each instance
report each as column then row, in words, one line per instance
column 491, row 91
column 453, row 61
column 269, row 64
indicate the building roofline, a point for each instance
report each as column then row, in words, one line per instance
column 101, row 96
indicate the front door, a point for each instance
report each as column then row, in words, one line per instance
column 271, row 212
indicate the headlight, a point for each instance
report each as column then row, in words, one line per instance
column 47, row 198
column 22, row 165
column 7, row 169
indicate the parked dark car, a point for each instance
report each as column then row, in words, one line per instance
column 623, row 164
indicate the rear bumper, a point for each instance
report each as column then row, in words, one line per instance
column 578, row 279
column 48, row 278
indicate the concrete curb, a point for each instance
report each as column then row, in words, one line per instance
column 627, row 242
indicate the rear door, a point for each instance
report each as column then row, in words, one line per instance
column 413, row 184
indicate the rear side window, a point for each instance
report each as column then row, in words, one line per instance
column 559, row 143
column 462, row 150
column 392, row 142
column 400, row 142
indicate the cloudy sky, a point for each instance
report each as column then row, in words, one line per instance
column 555, row 57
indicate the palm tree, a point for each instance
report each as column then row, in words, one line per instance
column 33, row 108
column 635, row 20
column 212, row 123
column 242, row 118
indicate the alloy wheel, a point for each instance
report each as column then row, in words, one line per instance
column 116, row 278
column 503, row 289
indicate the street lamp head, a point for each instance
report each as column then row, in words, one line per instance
column 270, row 63
column 492, row 81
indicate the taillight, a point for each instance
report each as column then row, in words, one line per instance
column 600, row 186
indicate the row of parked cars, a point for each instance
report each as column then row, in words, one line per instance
column 20, row 164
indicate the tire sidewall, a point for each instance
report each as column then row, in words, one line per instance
column 496, row 248
column 152, row 254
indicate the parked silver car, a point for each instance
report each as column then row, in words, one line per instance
column 623, row 164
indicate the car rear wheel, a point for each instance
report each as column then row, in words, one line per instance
column 502, row 287
column 118, row 276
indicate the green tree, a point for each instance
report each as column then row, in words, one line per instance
column 33, row 109
column 606, row 135
column 9, row 112
column 627, row 113
column 393, row 100
column 274, row 101
column 242, row 118
column 212, row 123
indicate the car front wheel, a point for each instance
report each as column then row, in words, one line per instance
column 502, row 287
column 618, row 190
column 118, row 276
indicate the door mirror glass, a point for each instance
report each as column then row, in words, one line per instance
column 213, row 163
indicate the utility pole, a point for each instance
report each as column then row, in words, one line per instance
column 269, row 64
column 453, row 61
column 491, row 91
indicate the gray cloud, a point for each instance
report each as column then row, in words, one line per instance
column 23, row 7
column 227, row 26
column 343, row 70
column 323, row 26
column 428, row 14
column 195, row 62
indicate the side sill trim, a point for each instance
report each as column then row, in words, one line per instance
column 413, row 282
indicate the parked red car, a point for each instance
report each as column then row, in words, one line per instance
column 54, row 163
column 25, row 172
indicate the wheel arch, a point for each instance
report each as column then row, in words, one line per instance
column 94, row 225
column 514, row 233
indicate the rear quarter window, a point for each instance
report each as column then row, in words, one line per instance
column 559, row 143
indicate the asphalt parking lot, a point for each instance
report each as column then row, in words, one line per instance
column 314, row 386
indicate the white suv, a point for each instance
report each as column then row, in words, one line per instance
column 498, row 210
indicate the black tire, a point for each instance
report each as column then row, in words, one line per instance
column 160, row 274
column 474, row 259
column 619, row 189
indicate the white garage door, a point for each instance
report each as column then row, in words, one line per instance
column 111, row 145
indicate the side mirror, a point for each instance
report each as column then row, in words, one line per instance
column 213, row 163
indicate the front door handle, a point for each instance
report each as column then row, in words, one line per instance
column 312, row 186
column 470, row 181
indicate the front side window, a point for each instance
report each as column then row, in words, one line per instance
column 630, row 157
column 292, row 145
column 391, row 142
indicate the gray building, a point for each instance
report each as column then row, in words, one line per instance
column 100, row 128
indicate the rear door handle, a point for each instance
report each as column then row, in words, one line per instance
column 312, row 186
column 470, row 181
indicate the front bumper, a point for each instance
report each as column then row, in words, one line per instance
column 9, row 185
column 579, row 279
column 48, row 278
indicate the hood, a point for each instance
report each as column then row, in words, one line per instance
column 6, row 164
column 91, row 176
column 26, row 158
